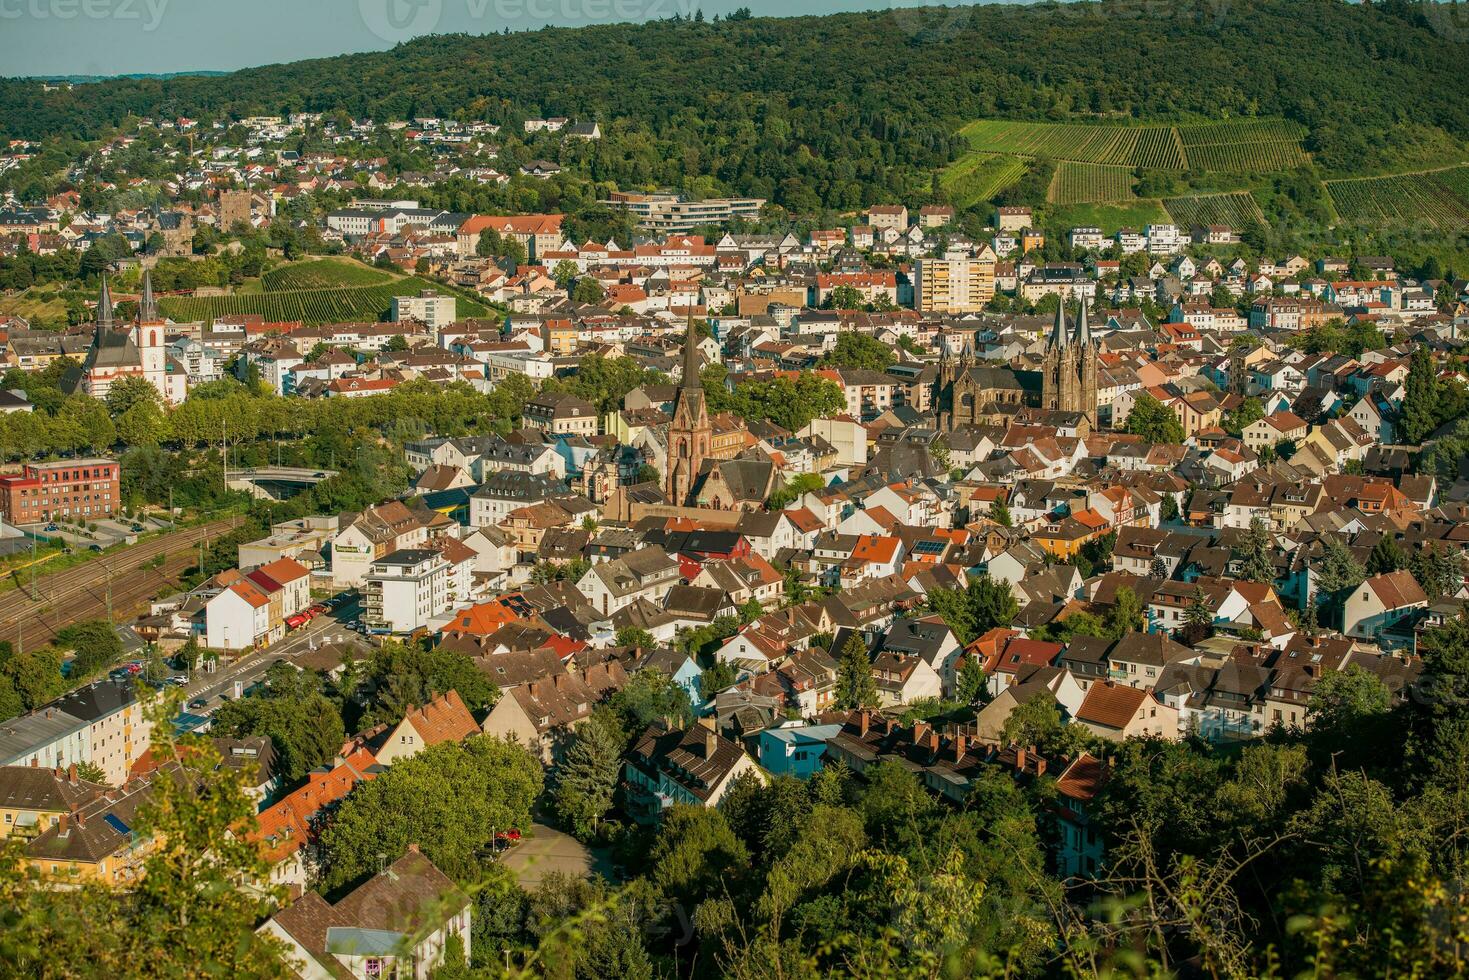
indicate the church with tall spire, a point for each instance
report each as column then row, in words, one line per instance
column 690, row 434
column 138, row 349
column 1069, row 367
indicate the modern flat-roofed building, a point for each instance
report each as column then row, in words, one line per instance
column 406, row 589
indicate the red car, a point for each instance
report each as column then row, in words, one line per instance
column 317, row 609
column 296, row 621
column 508, row 838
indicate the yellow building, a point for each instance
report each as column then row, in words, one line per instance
column 954, row 285
column 97, row 842
column 32, row 799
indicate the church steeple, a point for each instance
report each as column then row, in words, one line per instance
column 104, row 310
column 691, row 377
column 1059, row 336
column 1083, row 330
column 147, row 306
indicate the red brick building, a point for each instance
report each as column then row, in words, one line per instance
column 75, row 489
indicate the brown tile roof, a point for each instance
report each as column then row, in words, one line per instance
column 444, row 719
column 1111, row 705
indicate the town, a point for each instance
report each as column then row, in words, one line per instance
column 430, row 547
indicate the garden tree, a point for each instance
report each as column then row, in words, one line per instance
column 1438, row 568
column 694, row 853
column 718, row 676
column 1154, row 421
column 855, row 685
column 1037, row 722
column 397, row 342
column 1386, row 557
column 96, row 644
column 1349, row 715
column 1126, row 614
column 449, row 799
column 1340, row 570
column 939, row 450
column 291, row 710
column 1164, row 788
column 751, row 610
column 565, row 273
column 30, row 679
column 582, row 927
column 858, row 350
column 131, row 390
column 559, row 571
column 1198, row 621
column 1250, row 410
column 844, row 298
column 91, row 772
column 650, row 696
column 587, row 290
column 400, row 676
column 981, row 606
column 634, row 636
column 1438, row 743
column 1168, row 511
column 793, row 489
column 143, row 424
column 702, row 641
column 587, row 775
column 1259, row 563
column 184, row 914
column 1420, row 403
column 488, row 244
column 1310, row 624
column 1000, row 514
column 970, row 687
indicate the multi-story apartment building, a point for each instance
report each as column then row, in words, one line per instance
column 73, row 489
column 954, row 284
column 406, row 589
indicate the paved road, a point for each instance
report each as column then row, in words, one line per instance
column 326, row 628
column 80, row 593
column 546, row 849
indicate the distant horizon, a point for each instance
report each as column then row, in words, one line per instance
column 47, row 40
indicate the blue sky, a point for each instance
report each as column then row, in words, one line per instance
column 110, row 37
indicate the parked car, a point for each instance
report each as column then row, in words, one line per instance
column 52, row 527
column 319, row 608
column 508, row 838
column 297, row 621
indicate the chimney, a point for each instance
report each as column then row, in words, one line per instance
column 71, row 773
column 1040, row 765
column 81, row 819
column 1020, row 758
column 710, row 722
column 960, row 743
column 862, row 720
column 933, row 741
column 711, row 742
column 63, row 826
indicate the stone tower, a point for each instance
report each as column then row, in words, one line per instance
column 689, row 434
column 1069, row 367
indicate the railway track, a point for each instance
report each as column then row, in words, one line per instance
column 35, row 616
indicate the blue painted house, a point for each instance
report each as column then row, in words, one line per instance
column 795, row 751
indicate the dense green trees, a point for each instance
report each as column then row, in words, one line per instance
column 984, row 604
column 450, row 800
column 303, row 725
column 1153, row 420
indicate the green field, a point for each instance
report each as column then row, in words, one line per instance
column 1437, row 199
column 1088, row 183
column 1108, row 217
column 323, row 274
column 976, row 177
column 1235, row 146
column 1236, row 210
column 312, row 306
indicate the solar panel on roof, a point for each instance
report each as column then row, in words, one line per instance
column 116, row 823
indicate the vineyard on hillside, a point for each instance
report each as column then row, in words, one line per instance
column 1235, row 210
column 310, row 306
column 323, row 274
column 1235, row 146
column 1439, row 199
column 1089, row 183
column 977, row 177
